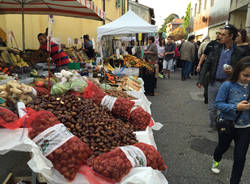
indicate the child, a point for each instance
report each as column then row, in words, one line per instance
column 232, row 99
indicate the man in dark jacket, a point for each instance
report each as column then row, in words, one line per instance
column 225, row 53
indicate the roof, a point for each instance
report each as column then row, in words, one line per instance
column 129, row 23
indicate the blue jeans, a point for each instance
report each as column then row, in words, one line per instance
column 212, row 93
column 186, row 68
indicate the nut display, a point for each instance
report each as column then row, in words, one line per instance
column 68, row 157
column 93, row 124
column 119, row 93
column 116, row 164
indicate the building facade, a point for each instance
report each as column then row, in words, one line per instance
column 240, row 14
column 142, row 11
column 200, row 10
column 64, row 28
column 207, row 16
column 219, row 16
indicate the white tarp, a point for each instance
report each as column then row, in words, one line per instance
column 129, row 23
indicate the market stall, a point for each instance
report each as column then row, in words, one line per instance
column 127, row 25
column 100, row 122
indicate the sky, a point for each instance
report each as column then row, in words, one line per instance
column 163, row 8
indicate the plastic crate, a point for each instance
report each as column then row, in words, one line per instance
column 74, row 66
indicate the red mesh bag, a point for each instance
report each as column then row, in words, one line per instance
column 8, row 119
column 93, row 92
column 41, row 91
column 67, row 157
column 116, row 164
column 140, row 118
column 122, row 107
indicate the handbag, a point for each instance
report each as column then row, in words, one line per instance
column 227, row 126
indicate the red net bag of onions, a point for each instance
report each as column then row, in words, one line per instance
column 140, row 118
column 118, row 162
column 93, row 92
column 65, row 151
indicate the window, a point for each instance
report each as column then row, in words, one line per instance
column 212, row 3
column 205, row 4
column 117, row 3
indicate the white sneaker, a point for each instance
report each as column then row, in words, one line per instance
column 215, row 167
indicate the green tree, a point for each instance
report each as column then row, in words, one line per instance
column 187, row 17
column 167, row 20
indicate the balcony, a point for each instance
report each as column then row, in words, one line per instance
column 239, row 5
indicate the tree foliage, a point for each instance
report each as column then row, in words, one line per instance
column 187, row 17
column 167, row 20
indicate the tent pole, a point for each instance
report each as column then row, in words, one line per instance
column 23, row 25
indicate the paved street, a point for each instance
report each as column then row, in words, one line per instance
column 185, row 141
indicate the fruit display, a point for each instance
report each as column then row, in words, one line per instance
column 35, row 56
column 93, row 124
column 132, row 61
column 13, row 92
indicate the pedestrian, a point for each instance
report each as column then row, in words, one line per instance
column 152, row 57
column 196, row 58
column 161, row 51
column 131, row 49
column 233, row 102
column 201, row 56
column 179, row 61
column 225, row 53
column 88, row 47
column 58, row 55
column 169, row 56
column 242, row 42
column 187, row 57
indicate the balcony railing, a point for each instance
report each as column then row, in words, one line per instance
column 235, row 4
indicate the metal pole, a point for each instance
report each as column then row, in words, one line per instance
column 23, row 34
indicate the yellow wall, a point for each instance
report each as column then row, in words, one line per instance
column 63, row 28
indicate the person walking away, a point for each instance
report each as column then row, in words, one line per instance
column 225, row 53
column 196, row 59
column 161, row 51
column 187, row 57
column 152, row 57
column 169, row 56
column 233, row 102
column 179, row 61
column 58, row 55
column 88, row 47
column 242, row 42
column 201, row 50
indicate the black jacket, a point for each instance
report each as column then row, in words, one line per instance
column 211, row 63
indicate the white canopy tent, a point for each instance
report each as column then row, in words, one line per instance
column 129, row 23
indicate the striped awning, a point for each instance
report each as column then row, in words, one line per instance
column 72, row 8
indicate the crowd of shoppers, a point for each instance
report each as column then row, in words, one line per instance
column 224, row 66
